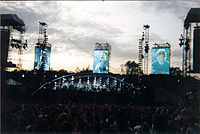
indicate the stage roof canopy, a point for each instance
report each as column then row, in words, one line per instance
column 12, row 20
column 193, row 16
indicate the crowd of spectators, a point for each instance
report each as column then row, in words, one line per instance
column 78, row 112
column 82, row 118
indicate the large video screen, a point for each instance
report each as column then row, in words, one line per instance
column 101, row 59
column 160, row 60
column 42, row 58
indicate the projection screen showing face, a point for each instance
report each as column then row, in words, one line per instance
column 101, row 58
column 42, row 58
column 160, row 60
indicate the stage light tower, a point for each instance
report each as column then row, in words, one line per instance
column 146, row 48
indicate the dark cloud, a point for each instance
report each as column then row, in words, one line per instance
column 31, row 17
column 178, row 8
column 130, row 54
column 155, row 38
column 80, row 41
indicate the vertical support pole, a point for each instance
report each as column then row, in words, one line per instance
column 183, row 56
column 190, row 49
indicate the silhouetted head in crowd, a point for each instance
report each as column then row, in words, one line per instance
column 109, row 131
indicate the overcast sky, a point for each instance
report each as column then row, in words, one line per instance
column 75, row 27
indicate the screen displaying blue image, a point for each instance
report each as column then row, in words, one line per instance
column 42, row 58
column 160, row 60
column 101, row 58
